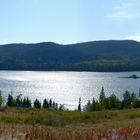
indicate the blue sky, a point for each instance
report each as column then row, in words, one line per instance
column 68, row 21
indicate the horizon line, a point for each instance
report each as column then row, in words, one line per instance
column 26, row 43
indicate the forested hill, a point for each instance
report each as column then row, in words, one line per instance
column 89, row 56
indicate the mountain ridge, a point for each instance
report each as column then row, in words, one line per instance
column 69, row 43
column 111, row 55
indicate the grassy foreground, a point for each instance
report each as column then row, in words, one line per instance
column 41, row 124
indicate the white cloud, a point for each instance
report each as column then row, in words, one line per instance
column 125, row 10
column 119, row 15
column 134, row 37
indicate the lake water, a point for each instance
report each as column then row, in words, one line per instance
column 66, row 87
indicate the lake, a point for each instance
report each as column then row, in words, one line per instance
column 66, row 87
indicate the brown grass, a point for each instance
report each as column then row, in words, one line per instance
column 33, row 124
column 38, row 132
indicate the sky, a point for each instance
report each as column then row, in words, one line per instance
column 68, row 21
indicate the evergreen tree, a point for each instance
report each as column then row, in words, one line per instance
column 28, row 103
column 1, row 99
column 53, row 105
column 136, row 103
column 37, row 104
column 24, row 102
column 45, row 103
column 106, row 103
column 61, row 107
column 50, row 103
column 97, row 105
column 94, row 104
column 126, row 103
column 102, row 95
column 89, row 106
column 18, row 101
column 139, row 94
column 10, row 101
column 114, row 102
column 56, row 106
column 79, row 105
column 133, row 96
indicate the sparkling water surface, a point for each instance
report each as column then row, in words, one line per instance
column 66, row 87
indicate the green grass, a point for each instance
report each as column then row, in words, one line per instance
column 41, row 124
column 63, row 118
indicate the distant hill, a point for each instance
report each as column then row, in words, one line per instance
column 122, row 55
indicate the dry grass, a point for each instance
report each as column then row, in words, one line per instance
column 33, row 124
column 38, row 132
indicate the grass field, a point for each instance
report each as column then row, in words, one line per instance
column 41, row 124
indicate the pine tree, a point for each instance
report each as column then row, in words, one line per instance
column 10, row 101
column 102, row 95
column 79, row 105
column 45, row 103
column 114, row 102
column 28, row 103
column 24, row 102
column 139, row 94
column 89, row 106
column 56, row 106
column 50, row 103
column 37, row 104
column 53, row 105
column 94, row 104
column 18, row 101
column 126, row 103
column 1, row 100
column 133, row 96
column 61, row 107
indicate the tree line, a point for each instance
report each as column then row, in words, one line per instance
column 129, row 100
column 25, row 102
